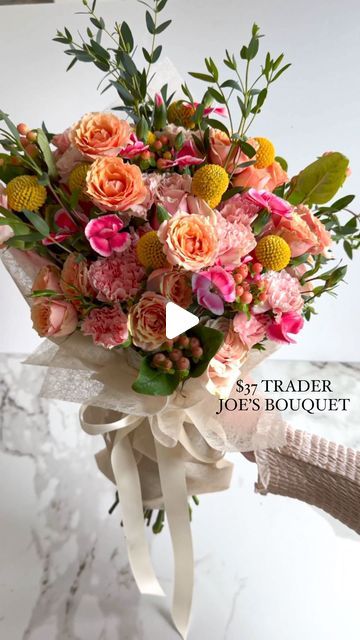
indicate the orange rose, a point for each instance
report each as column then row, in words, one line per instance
column 100, row 134
column 114, row 185
column 303, row 232
column 147, row 321
column 53, row 318
column 190, row 240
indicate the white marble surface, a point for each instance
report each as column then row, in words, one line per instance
column 266, row 567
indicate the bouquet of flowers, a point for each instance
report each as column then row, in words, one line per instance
column 168, row 199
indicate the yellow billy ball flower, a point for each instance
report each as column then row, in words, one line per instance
column 210, row 183
column 25, row 192
column 77, row 177
column 273, row 252
column 265, row 154
column 149, row 251
column 181, row 114
column 151, row 138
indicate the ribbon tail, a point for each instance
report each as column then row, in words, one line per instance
column 128, row 484
column 174, row 490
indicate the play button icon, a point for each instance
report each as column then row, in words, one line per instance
column 178, row 320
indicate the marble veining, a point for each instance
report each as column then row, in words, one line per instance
column 64, row 573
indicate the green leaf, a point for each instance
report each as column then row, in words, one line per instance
column 260, row 221
column 10, row 125
column 247, row 148
column 142, row 129
column 9, row 171
column 211, row 341
column 38, row 222
column 282, row 162
column 154, row 382
column 253, row 48
column 99, row 51
column 348, row 249
column 127, row 35
column 320, row 181
column 19, row 227
column 217, row 95
column 163, row 26
column 162, row 214
column 201, row 76
column 156, row 54
column 216, row 124
column 43, row 143
column 150, row 23
column 232, row 84
column 279, row 73
column 231, row 192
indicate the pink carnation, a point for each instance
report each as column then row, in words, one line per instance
column 269, row 201
column 279, row 329
column 239, row 208
column 236, row 241
column 107, row 326
column 118, row 277
column 251, row 330
column 283, row 293
column 172, row 191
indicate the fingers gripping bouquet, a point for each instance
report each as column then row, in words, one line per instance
column 169, row 199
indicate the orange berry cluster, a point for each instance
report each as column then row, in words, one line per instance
column 178, row 355
column 159, row 152
column 247, row 278
column 27, row 139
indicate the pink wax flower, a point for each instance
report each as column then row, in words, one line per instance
column 251, row 330
column 133, row 148
column 53, row 318
column 105, row 235
column 66, row 225
column 270, row 201
column 107, row 326
column 118, row 277
column 213, row 287
column 236, row 240
column 279, row 329
column 239, row 208
column 283, row 293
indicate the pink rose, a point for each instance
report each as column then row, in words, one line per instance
column 172, row 191
column 172, row 284
column 105, row 235
column 48, row 278
column 6, row 233
column 213, row 287
column 147, row 321
column 53, row 318
column 236, row 240
column 279, row 329
column 269, row 201
column 75, row 279
column 224, row 368
column 251, row 330
column 190, row 241
column 61, row 140
column 107, row 326
column 67, row 161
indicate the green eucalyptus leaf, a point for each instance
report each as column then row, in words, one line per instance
column 150, row 23
column 216, row 124
column 43, row 143
column 201, row 76
column 320, row 181
column 38, row 222
column 162, row 26
column 282, row 162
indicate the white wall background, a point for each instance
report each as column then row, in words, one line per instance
column 314, row 108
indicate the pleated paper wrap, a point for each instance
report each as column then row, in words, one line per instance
column 160, row 450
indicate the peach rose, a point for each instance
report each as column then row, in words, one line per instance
column 75, row 279
column 253, row 178
column 47, row 278
column 224, row 368
column 173, row 285
column 146, row 321
column 53, row 318
column 100, row 134
column 115, row 185
column 220, row 145
column 190, row 240
column 303, row 232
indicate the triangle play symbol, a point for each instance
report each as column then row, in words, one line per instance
column 178, row 320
